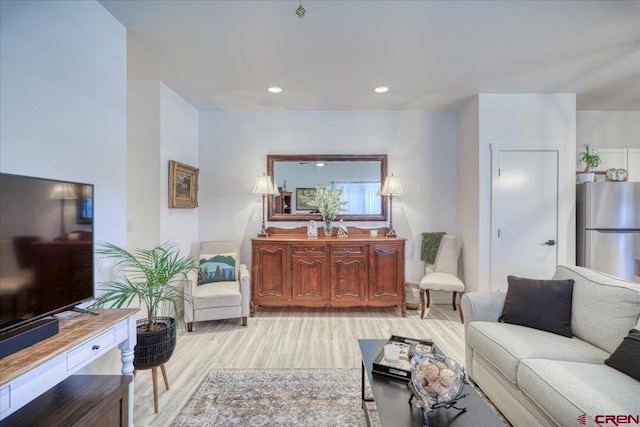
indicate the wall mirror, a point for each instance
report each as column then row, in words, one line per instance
column 297, row 177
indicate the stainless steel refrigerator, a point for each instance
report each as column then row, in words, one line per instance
column 608, row 228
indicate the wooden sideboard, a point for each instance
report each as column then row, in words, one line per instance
column 289, row 269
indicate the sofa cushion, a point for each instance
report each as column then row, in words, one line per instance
column 626, row 358
column 539, row 304
column 604, row 308
column 567, row 390
column 505, row 345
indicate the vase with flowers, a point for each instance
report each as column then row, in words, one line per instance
column 329, row 204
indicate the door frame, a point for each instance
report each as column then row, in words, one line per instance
column 496, row 149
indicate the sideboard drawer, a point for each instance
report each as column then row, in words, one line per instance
column 309, row 249
column 90, row 349
column 358, row 250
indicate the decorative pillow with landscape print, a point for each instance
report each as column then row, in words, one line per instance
column 217, row 268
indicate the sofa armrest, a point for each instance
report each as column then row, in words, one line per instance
column 479, row 306
column 485, row 306
column 245, row 289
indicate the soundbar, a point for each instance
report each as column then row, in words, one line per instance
column 24, row 336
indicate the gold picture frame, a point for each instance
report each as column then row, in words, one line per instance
column 306, row 199
column 183, row 185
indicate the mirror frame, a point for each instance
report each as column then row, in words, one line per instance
column 272, row 158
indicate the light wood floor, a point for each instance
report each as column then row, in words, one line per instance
column 285, row 338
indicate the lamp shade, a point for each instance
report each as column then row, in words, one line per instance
column 63, row 191
column 391, row 186
column 264, row 185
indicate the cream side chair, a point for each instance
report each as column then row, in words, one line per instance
column 218, row 300
column 443, row 275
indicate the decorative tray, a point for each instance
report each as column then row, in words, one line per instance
column 401, row 370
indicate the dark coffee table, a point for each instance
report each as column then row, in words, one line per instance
column 392, row 397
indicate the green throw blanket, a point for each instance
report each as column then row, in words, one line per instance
column 430, row 245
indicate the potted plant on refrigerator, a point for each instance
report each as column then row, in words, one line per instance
column 149, row 276
column 589, row 158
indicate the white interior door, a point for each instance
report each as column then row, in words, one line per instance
column 524, row 216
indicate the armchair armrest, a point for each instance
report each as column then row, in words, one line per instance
column 192, row 282
column 245, row 290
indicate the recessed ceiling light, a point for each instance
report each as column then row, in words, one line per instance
column 274, row 89
column 381, row 89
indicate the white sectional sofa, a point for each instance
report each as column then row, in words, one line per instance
column 538, row 378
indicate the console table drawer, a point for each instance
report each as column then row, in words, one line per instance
column 91, row 349
column 5, row 398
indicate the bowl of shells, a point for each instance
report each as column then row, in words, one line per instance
column 436, row 381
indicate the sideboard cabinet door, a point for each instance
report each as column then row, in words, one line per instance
column 348, row 273
column 386, row 271
column 309, row 274
column 269, row 273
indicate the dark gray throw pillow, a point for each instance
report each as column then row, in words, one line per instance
column 539, row 304
column 626, row 358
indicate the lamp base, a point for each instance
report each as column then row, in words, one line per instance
column 263, row 233
column 392, row 233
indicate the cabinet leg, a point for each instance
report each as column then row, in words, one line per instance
column 252, row 309
column 404, row 309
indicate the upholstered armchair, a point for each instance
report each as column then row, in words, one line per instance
column 443, row 275
column 220, row 290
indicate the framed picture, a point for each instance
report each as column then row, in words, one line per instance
column 183, row 185
column 306, row 199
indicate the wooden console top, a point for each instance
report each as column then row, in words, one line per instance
column 355, row 235
column 72, row 333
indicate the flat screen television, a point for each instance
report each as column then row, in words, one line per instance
column 46, row 247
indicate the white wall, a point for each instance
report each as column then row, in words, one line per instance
column 468, row 191
column 143, row 164
column 179, row 142
column 608, row 129
column 517, row 119
column 63, row 105
column 422, row 150
column 63, row 101
column 162, row 126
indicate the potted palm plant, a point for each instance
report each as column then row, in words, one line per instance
column 149, row 276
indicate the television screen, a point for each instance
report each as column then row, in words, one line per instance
column 46, row 247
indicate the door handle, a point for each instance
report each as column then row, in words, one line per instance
column 550, row 243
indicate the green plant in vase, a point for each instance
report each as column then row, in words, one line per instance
column 329, row 204
column 589, row 157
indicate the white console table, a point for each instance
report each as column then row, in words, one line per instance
column 28, row 373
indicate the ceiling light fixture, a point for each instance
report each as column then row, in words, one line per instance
column 274, row 89
column 381, row 89
column 300, row 11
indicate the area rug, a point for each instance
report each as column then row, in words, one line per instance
column 276, row 397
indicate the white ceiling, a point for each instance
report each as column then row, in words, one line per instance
column 222, row 55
